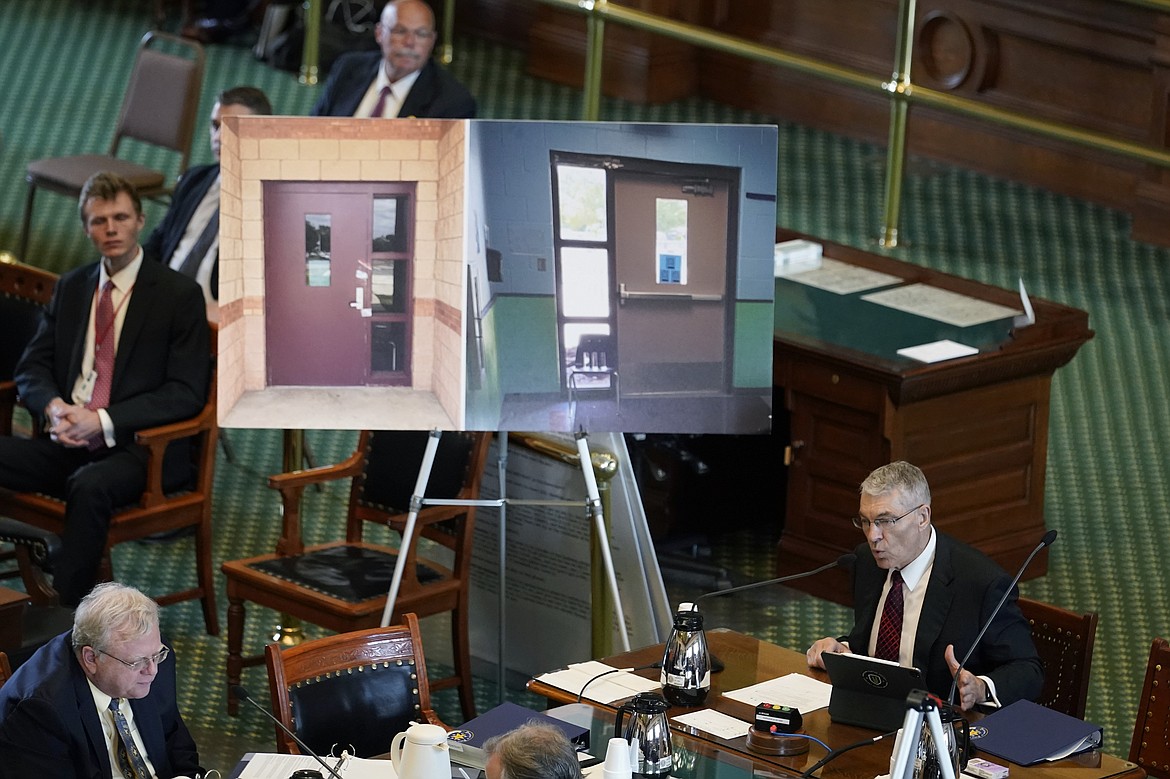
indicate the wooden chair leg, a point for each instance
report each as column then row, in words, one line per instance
column 461, row 646
column 206, row 576
column 235, row 657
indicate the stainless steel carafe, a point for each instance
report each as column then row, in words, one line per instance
column 648, row 731
column 686, row 664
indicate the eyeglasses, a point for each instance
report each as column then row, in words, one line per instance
column 140, row 663
column 882, row 523
column 421, row 33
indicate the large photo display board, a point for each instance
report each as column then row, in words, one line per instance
column 496, row 275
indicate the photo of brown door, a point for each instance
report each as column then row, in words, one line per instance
column 339, row 263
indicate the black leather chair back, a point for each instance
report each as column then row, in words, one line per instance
column 392, row 467
column 362, row 707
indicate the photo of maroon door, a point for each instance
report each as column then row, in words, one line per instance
column 338, row 263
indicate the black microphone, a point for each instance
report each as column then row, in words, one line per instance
column 581, row 694
column 844, row 561
column 1047, row 540
column 242, row 694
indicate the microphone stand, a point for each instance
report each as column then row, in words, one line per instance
column 242, row 694
column 1047, row 540
column 844, row 561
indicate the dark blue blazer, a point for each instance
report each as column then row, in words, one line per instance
column 435, row 94
column 164, row 239
column 965, row 585
column 50, row 728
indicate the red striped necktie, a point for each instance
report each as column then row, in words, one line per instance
column 890, row 631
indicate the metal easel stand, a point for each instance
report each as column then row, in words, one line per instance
column 592, row 505
column 920, row 707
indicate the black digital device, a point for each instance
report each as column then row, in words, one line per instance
column 774, row 718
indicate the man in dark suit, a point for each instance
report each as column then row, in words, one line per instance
column 399, row 81
column 123, row 345
column 57, row 712
column 187, row 239
column 920, row 598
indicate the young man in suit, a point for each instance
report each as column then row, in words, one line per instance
column 400, row 80
column 123, row 345
column 187, row 239
column 98, row 700
column 944, row 590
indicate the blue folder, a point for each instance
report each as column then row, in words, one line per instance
column 1027, row 733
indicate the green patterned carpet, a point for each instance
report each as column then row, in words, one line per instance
column 1107, row 471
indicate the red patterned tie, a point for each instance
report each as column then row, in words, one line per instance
column 103, row 356
column 890, row 630
column 381, row 104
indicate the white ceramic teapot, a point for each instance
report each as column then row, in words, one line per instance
column 421, row 753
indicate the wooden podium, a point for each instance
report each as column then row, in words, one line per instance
column 977, row 426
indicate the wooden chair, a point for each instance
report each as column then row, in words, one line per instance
column 354, row 689
column 157, row 510
column 596, row 357
column 5, row 669
column 1064, row 640
column 1150, row 748
column 25, row 291
column 343, row 585
column 159, row 108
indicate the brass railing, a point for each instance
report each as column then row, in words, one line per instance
column 899, row 88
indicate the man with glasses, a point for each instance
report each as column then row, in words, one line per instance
column 920, row 598
column 98, row 700
column 400, row 80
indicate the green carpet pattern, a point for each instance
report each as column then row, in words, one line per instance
column 1108, row 453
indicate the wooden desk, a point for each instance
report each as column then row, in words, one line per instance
column 749, row 661
column 977, row 426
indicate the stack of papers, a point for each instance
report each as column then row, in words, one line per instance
column 271, row 766
column 714, row 722
column 801, row 692
column 580, row 680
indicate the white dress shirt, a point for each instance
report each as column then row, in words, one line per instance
column 124, row 281
column 398, row 92
column 106, row 717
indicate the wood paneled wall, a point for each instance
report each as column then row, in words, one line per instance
column 1099, row 65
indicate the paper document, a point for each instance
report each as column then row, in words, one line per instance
column 1029, row 315
column 937, row 351
column 797, row 690
column 941, row 305
column 715, row 723
column 605, row 689
column 843, row 278
column 270, row 766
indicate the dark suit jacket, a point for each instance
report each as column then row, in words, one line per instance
column 964, row 587
column 164, row 239
column 50, row 728
column 435, row 94
column 163, row 363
